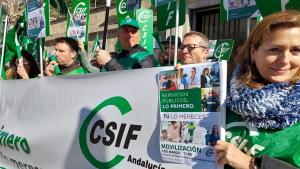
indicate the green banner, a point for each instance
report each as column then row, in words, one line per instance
column 220, row 49
column 145, row 20
column 230, row 10
column 181, row 100
column 78, row 26
column 166, row 15
column 269, row 7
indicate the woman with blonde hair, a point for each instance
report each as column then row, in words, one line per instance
column 264, row 98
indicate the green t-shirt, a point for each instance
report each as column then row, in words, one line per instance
column 280, row 144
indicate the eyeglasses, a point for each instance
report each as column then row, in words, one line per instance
column 191, row 47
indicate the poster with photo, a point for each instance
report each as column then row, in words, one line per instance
column 241, row 8
column 77, row 29
column 36, row 18
column 192, row 117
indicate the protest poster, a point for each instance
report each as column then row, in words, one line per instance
column 237, row 9
column 191, row 113
column 36, row 18
column 77, row 29
column 78, row 21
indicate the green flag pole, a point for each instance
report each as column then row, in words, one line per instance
column 176, row 32
column 3, row 45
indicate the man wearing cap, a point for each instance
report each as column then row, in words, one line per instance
column 194, row 48
column 133, row 55
column 164, row 57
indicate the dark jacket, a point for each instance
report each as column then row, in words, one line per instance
column 137, row 57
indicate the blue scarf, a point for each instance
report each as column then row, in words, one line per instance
column 274, row 106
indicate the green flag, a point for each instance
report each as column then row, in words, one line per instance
column 78, row 22
column 96, row 44
column 14, row 38
column 60, row 5
column 269, row 7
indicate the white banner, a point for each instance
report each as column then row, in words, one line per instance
column 107, row 120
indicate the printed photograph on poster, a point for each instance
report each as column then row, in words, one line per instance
column 190, row 132
column 241, row 9
column 196, row 77
column 236, row 4
column 133, row 4
column 36, row 19
column 168, row 80
column 77, row 28
column 210, row 99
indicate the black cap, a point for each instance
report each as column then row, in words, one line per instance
column 172, row 40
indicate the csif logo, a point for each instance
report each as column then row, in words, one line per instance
column 222, row 49
column 144, row 16
column 122, row 7
column 80, row 8
column 112, row 133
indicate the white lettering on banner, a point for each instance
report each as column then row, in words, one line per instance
column 80, row 10
column 121, row 7
column 170, row 16
column 283, row 4
column 144, row 16
column 240, row 142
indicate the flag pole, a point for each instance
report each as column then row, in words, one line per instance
column 170, row 46
column 176, row 33
column 3, row 45
column 106, row 24
column 41, row 59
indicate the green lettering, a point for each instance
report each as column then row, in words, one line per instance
column 25, row 146
column 10, row 141
column 17, row 139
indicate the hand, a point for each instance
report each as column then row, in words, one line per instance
column 50, row 68
column 81, row 45
column 178, row 66
column 227, row 153
column 161, row 56
column 22, row 72
column 103, row 57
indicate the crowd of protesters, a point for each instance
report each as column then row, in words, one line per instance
column 268, row 63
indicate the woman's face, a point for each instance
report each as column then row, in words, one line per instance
column 278, row 57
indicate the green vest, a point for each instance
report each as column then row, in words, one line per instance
column 280, row 144
column 137, row 57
